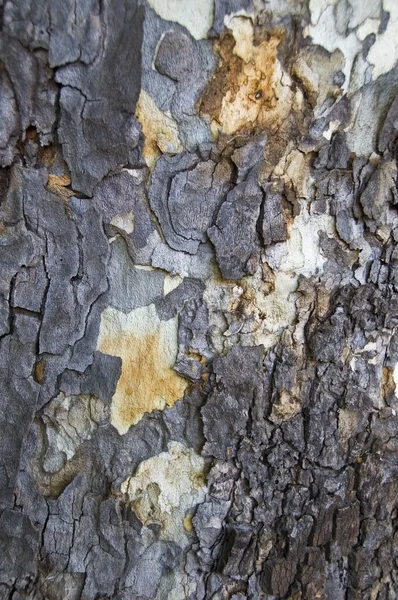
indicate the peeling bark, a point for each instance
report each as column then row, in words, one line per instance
column 198, row 300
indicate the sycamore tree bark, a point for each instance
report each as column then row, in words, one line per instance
column 199, row 300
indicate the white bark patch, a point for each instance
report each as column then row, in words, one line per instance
column 395, row 378
column 384, row 52
column 329, row 20
column 324, row 33
column 196, row 16
column 165, row 488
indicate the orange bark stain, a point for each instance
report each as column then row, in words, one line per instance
column 249, row 89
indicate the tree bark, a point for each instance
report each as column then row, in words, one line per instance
column 198, row 300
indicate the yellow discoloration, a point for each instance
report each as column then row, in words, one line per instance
column 58, row 185
column 388, row 383
column 250, row 89
column 148, row 348
column 159, row 128
column 188, row 525
column 52, row 485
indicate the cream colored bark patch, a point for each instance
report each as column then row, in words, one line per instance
column 159, row 128
column 299, row 255
column 261, row 309
column 124, row 222
column 395, row 378
column 285, row 407
column 164, row 489
column 148, row 348
column 171, row 283
column 196, row 15
column 347, row 424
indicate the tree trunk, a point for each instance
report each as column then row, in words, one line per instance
column 199, row 300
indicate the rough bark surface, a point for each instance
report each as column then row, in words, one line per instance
column 199, row 300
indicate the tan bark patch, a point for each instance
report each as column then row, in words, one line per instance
column 39, row 371
column 58, row 185
column 250, row 89
column 148, row 348
column 159, row 128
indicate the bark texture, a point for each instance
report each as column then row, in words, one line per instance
column 199, row 300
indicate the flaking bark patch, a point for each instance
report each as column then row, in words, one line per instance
column 274, row 198
column 148, row 349
column 166, row 488
column 250, row 89
column 159, row 128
